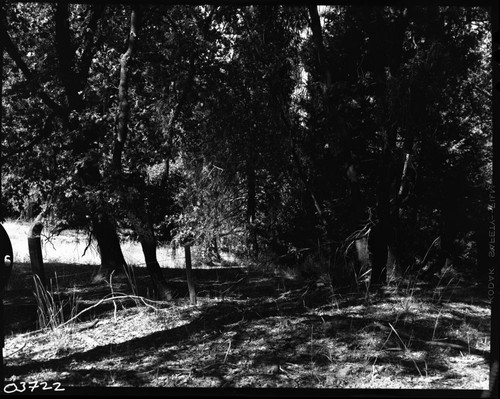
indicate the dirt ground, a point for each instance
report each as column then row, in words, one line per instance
column 250, row 329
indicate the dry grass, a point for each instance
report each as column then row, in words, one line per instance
column 250, row 329
column 72, row 247
column 67, row 248
column 261, row 336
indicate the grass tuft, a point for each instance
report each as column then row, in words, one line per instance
column 52, row 311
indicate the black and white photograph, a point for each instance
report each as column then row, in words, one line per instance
column 248, row 199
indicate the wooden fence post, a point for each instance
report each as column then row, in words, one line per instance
column 35, row 251
column 189, row 275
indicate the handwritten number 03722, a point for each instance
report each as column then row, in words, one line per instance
column 31, row 386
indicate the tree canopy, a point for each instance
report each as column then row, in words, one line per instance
column 272, row 131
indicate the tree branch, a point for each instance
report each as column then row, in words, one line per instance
column 123, row 116
column 30, row 77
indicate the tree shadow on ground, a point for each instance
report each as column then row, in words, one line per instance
column 295, row 342
column 21, row 308
column 260, row 324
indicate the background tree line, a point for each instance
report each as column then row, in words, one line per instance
column 277, row 133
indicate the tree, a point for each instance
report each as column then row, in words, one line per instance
column 78, row 132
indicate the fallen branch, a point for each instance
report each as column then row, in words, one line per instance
column 113, row 298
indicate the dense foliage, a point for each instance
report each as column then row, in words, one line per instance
column 275, row 132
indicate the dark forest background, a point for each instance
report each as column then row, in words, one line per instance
column 336, row 138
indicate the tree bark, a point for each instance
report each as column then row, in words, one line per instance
column 148, row 244
column 251, row 205
column 145, row 231
column 108, row 242
column 66, row 53
column 395, row 247
column 381, row 234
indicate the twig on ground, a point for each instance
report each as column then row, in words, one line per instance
column 17, row 350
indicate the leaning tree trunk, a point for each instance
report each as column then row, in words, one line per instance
column 160, row 288
column 145, row 231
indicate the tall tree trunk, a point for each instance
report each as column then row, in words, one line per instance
column 382, row 232
column 395, row 247
column 333, row 115
column 137, row 208
column 251, row 205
